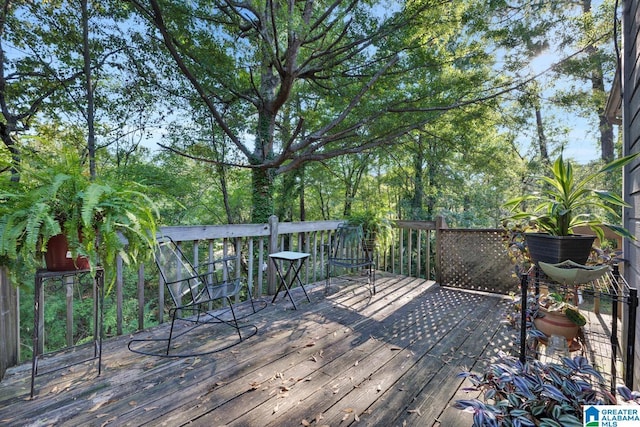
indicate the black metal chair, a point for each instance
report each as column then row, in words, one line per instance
column 350, row 255
column 194, row 295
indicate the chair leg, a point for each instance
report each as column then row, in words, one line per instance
column 328, row 281
column 235, row 321
column 373, row 276
column 173, row 321
column 253, row 307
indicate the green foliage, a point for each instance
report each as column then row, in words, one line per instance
column 96, row 216
column 575, row 316
column 376, row 226
column 554, row 302
column 534, row 393
column 563, row 202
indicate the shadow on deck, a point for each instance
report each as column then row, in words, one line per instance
column 387, row 360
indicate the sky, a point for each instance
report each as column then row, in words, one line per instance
column 583, row 138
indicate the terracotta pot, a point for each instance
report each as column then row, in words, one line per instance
column 554, row 323
column 58, row 256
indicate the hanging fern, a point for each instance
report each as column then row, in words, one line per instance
column 99, row 219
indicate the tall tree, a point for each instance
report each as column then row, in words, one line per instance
column 244, row 60
column 591, row 32
column 33, row 66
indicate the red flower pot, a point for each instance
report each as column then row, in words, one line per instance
column 58, row 257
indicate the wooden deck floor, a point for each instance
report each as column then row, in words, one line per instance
column 344, row 358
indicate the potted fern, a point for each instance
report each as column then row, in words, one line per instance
column 378, row 229
column 562, row 203
column 96, row 218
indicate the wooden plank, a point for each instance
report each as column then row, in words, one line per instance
column 155, row 390
column 299, row 362
column 344, row 350
column 422, row 375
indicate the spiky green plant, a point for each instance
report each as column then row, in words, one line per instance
column 564, row 202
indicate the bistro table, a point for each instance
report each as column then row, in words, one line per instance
column 295, row 260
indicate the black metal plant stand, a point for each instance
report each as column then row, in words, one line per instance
column 617, row 290
column 57, row 281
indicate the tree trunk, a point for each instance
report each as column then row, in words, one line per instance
column 7, row 139
column 542, row 139
column 262, row 180
column 91, row 134
column 288, row 195
column 418, row 193
column 303, row 212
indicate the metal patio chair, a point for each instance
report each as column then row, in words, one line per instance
column 194, row 295
column 350, row 255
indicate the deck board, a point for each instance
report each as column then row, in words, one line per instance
column 347, row 357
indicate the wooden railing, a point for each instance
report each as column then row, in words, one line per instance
column 410, row 254
column 417, row 249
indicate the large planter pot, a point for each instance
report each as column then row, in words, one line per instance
column 555, row 249
column 58, row 257
column 555, row 323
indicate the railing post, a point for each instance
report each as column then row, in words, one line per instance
column 69, row 281
column 119, row 294
column 141, row 296
column 524, row 285
column 273, row 247
column 441, row 224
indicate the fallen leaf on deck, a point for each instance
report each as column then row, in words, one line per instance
column 348, row 410
column 318, row 418
column 305, row 423
column 150, row 408
column 395, row 348
column 379, row 387
column 346, row 416
column 311, row 344
column 96, row 407
column 133, row 403
column 415, row 411
column 356, row 363
column 356, row 417
column 108, row 421
column 275, row 409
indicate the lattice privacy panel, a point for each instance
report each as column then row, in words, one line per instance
column 476, row 259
